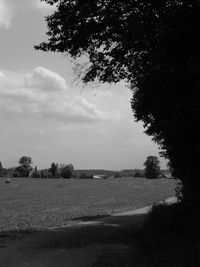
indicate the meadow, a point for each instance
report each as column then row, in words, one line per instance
column 43, row 203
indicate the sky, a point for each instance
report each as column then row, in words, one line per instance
column 49, row 115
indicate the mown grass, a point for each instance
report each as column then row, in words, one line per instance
column 41, row 203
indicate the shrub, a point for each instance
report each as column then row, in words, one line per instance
column 86, row 176
column 164, row 223
column 20, row 171
column 16, row 174
column 46, row 174
column 35, row 174
column 138, row 175
column 170, row 233
column 117, row 175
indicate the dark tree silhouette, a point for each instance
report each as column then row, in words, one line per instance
column 1, row 169
column 67, row 171
column 152, row 167
column 54, row 169
column 154, row 46
column 25, row 166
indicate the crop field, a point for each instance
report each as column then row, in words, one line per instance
column 40, row 203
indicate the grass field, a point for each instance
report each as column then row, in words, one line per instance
column 39, row 203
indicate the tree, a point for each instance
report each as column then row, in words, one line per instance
column 1, row 169
column 152, row 167
column 54, row 169
column 20, row 171
column 43, row 175
column 25, row 166
column 67, row 171
column 154, row 46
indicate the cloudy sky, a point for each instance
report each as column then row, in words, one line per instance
column 46, row 114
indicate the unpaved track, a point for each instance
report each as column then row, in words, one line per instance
column 83, row 244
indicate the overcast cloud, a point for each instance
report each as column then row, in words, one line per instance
column 45, row 116
column 5, row 14
column 44, row 94
column 10, row 8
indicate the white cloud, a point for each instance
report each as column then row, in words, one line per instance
column 46, row 80
column 5, row 15
column 42, row 5
column 2, row 76
column 9, row 8
column 44, row 94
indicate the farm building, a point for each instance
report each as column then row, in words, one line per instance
column 99, row 176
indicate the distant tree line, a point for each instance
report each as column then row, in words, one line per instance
column 24, row 169
column 2, row 170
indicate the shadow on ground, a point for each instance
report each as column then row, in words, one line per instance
column 90, row 218
column 97, row 242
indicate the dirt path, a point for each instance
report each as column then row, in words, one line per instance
column 94, row 243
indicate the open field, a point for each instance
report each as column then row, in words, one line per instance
column 39, row 203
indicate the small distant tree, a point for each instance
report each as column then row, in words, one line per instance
column 25, row 162
column 54, row 169
column 67, row 171
column 152, row 167
column 1, row 169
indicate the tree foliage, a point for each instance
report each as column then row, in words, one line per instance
column 54, row 169
column 152, row 167
column 25, row 161
column 154, row 46
column 1, row 169
column 20, row 171
column 67, row 171
column 25, row 166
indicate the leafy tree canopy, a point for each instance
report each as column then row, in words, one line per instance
column 67, row 171
column 152, row 167
column 154, row 46
column 21, row 171
column 1, row 169
column 54, row 169
column 25, row 161
column 25, row 166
